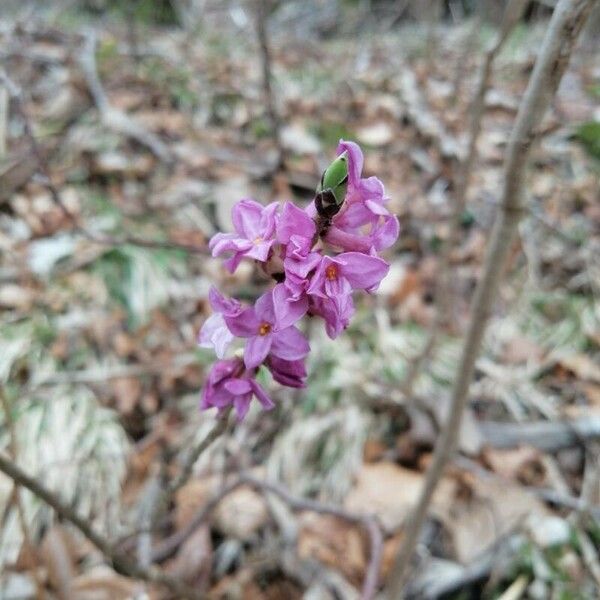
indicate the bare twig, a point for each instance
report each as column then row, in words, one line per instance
column 186, row 470
column 428, row 125
column 512, row 15
column 38, row 154
column 14, row 452
column 260, row 16
column 443, row 292
column 169, row 546
column 549, row 436
column 113, row 118
column 121, row 562
column 3, row 119
column 553, row 58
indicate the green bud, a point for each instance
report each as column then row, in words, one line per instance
column 335, row 178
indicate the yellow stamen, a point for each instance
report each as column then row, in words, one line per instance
column 264, row 329
column 331, row 272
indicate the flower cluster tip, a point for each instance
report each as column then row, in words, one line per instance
column 317, row 257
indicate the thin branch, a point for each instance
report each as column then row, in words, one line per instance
column 551, row 63
column 121, row 562
column 46, row 180
column 187, row 468
column 260, row 17
column 113, row 118
column 169, row 546
column 13, row 449
column 444, row 294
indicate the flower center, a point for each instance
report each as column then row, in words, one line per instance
column 264, row 329
column 331, row 272
column 257, row 241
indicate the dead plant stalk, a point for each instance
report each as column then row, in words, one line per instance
column 565, row 25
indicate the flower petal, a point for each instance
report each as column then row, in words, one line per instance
column 361, row 270
column 294, row 221
column 238, row 386
column 245, row 324
column 355, row 160
column 290, row 344
column 265, row 311
column 246, row 217
column 222, row 304
column 242, row 405
column 261, row 395
column 256, row 351
column 228, row 242
column 288, row 309
column 215, row 334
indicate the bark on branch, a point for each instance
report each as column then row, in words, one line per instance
column 121, row 562
column 565, row 25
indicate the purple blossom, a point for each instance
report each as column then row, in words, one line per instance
column 215, row 333
column 296, row 229
column 287, row 246
column 269, row 327
column 230, row 384
column 364, row 223
column 337, row 275
column 336, row 313
column 333, row 283
column 290, row 373
column 254, row 226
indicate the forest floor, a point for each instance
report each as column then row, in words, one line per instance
column 99, row 365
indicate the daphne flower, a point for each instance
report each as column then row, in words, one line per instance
column 270, row 328
column 336, row 312
column 254, row 226
column 296, row 230
column 290, row 373
column 345, row 272
column 364, row 223
column 230, row 384
column 215, row 333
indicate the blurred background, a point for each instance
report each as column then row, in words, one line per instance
column 127, row 132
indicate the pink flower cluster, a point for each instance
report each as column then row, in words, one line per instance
column 290, row 245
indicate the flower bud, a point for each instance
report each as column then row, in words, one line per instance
column 331, row 192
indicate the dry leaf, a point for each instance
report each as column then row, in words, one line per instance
column 127, row 391
column 193, row 561
column 390, row 492
column 582, row 366
column 102, row 583
column 241, row 514
column 333, row 542
column 55, row 554
column 492, row 509
column 516, row 464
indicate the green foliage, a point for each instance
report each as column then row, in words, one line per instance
column 330, row 132
column 177, row 81
column 588, row 134
column 159, row 12
column 106, row 52
column 260, row 128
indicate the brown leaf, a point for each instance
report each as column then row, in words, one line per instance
column 102, row 583
column 582, row 366
column 333, row 542
column 491, row 509
column 520, row 464
column 390, row 492
column 55, row 554
column 241, row 514
column 127, row 391
column 193, row 561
